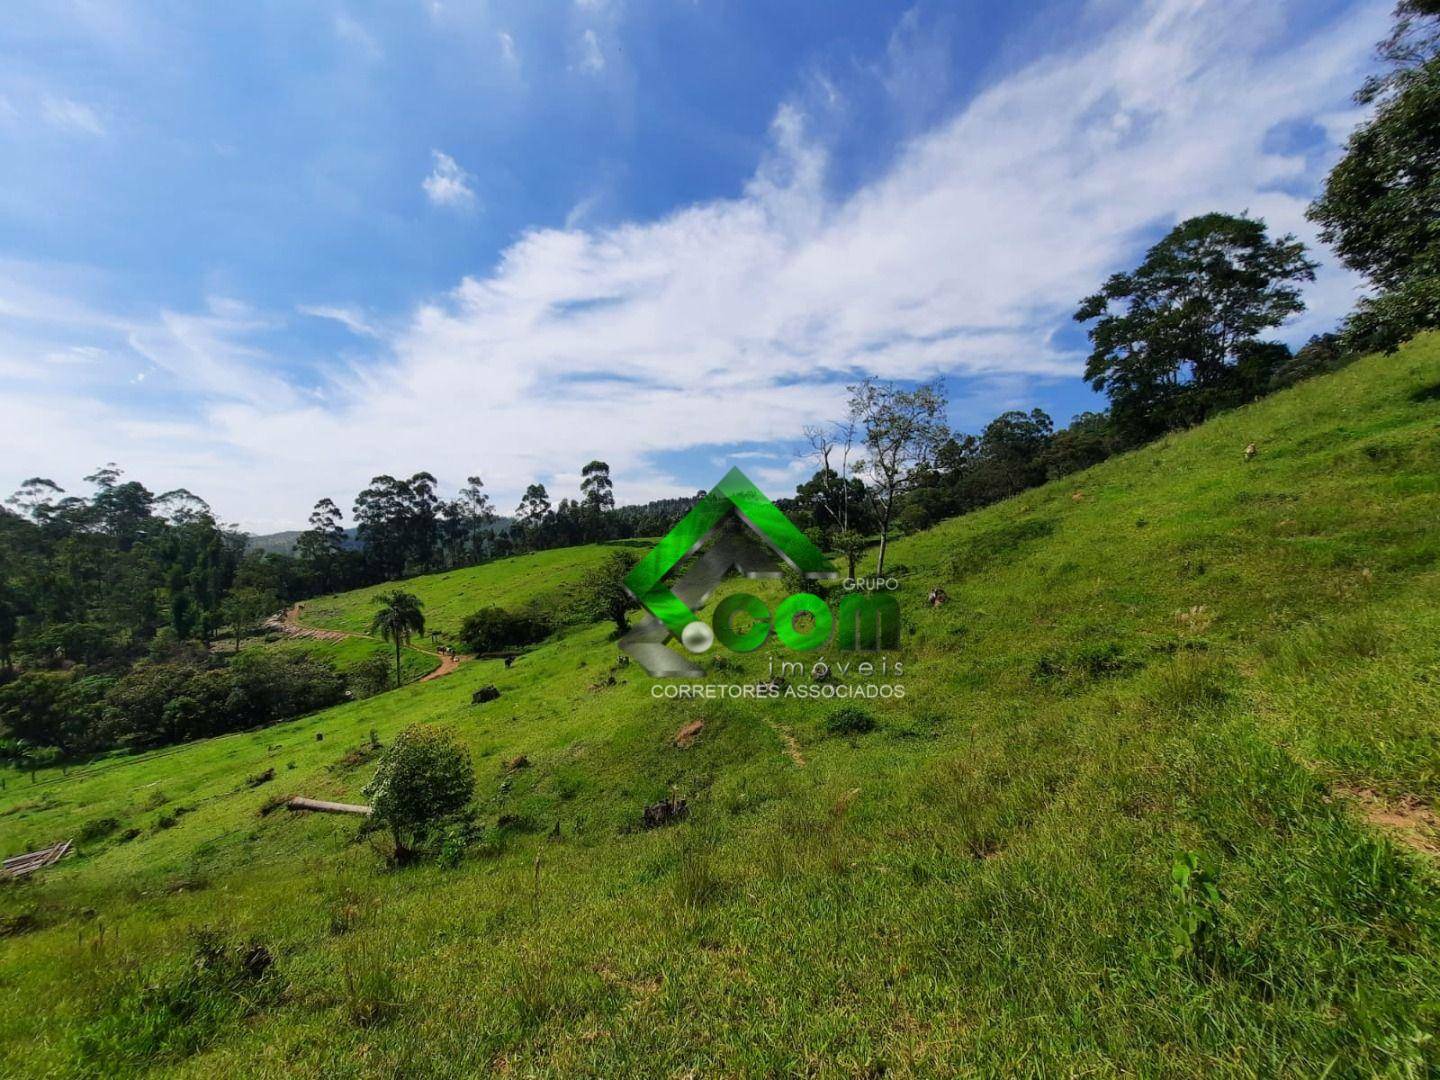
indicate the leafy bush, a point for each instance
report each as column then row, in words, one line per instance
column 75, row 642
column 424, row 776
column 98, row 829
column 493, row 629
column 370, row 676
column 849, row 720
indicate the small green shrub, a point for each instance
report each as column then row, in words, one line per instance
column 1195, row 933
column 849, row 720
column 370, row 676
column 1088, row 663
column 423, row 777
column 98, row 829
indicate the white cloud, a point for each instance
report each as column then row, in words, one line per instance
column 448, row 184
column 581, row 211
column 356, row 35
column 591, row 58
column 348, row 317
column 70, row 115
column 738, row 320
column 76, row 354
column 507, row 49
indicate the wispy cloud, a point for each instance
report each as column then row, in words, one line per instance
column 508, row 52
column 351, row 31
column 448, row 184
column 62, row 112
column 581, row 211
column 592, row 59
column 735, row 321
column 350, row 318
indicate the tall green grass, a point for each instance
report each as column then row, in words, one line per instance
column 1187, row 666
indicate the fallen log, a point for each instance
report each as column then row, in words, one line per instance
column 319, row 805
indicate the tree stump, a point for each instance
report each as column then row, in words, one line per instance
column 664, row 812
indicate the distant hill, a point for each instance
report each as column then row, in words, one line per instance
column 283, row 543
column 280, row 543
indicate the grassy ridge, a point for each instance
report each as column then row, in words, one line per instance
column 541, row 579
column 347, row 653
column 1177, row 651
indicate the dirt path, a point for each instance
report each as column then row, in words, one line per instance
column 289, row 624
column 792, row 745
column 448, row 663
column 1407, row 818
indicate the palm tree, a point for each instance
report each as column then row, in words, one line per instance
column 399, row 617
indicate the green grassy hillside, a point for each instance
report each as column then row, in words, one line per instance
column 347, row 653
column 1178, row 651
column 541, row 579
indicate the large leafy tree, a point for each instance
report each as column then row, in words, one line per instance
column 465, row 523
column 1088, row 441
column 534, row 506
column 9, row 624
column 121, row 508
column 244, row 609
column 1011, row 452
column 1171, row 339
column 321, row 547
column 1414, row 41
column 397, row 522
column 1380, row 208
column 398, row 619
column 35, row 498
column 836, row 503
column 602, row 593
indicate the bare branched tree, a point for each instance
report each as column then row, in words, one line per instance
column 902, row 430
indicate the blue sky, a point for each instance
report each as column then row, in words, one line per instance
column 266, row 251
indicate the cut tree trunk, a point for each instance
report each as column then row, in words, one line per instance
column 319, row 805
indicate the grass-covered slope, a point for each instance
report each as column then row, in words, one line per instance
column 543, row 579
column 1179, row 651
column 351, row 651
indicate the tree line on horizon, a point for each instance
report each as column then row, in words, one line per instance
column 108, row 602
